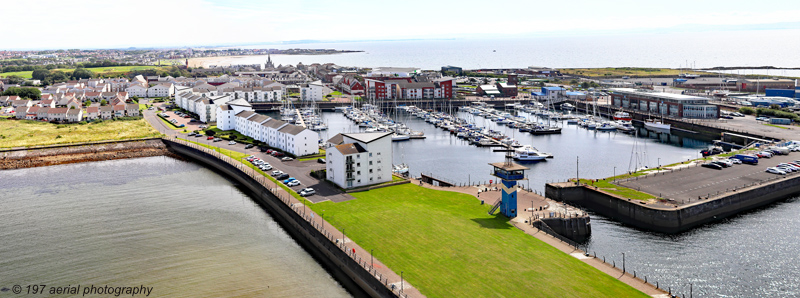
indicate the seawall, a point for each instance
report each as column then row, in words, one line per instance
column 17, row 158
column 358, row 280
column 673, row 219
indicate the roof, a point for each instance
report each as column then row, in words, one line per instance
column 240, row 102
column 74, row 112
column 273, row 123
column 258, row 118
column 512, row 167
column 58, row 110
column 337, row 139
column 292, row 129
column 351, row 148
column 91, row 110
column 553, row 88
column 245, row 114
column 659, row 95
column 366, row 137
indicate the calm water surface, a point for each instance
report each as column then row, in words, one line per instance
column 163, row 223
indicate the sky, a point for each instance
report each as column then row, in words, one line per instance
column 62, row 24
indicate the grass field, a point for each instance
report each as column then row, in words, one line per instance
column 112, row 70
column 448, row 246
column 626, row 71
column 24, row 133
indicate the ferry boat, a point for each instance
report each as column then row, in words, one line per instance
column 622, row 116
column 655, row 124
column 529, row 153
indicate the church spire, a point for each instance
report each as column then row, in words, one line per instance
column 269, row 64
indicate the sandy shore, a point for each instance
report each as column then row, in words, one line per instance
column 223, row 60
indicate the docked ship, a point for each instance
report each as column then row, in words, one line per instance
column 655, row 124
column 529, row 153
column 622, row 116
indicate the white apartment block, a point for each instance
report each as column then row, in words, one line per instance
column 161, row 90
column 136, row 90
column 204, row 106
column 361, row 159
column 311, row 91
column 238, row 115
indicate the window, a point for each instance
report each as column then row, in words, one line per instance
column 370, row 154
column 370, row 171
column 370, row 162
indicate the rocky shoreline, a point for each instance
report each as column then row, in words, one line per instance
column 56, row 155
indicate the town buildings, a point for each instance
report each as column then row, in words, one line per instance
column 408, row 88
column 238, row 115
column 360, row 159
column 662, row 103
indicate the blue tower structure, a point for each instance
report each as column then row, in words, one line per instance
column 509, row 173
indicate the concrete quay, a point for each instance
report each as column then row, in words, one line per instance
column 687, row 195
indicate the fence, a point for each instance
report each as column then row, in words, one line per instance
column 301, row 211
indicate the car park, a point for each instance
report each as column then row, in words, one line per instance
column 307, row 192
column 711, row 166
column 775, row 171
column 293, row 183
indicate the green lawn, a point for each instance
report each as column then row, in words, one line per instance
column 24, row 133
column 111, row 70
column 773, row 125
column 448, row 246
column 335, row 93
column 605, row 185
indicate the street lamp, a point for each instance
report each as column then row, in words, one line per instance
column 659, row 162
column 615, row 174
column 623, row 263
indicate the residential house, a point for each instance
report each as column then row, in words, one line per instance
column 43, row 113
column 75, row 115
column 106, row 112
column 132, row 110
column 32, row 112
column 92, row 113
column 119, row 110
column 311, row 91
column 136, row 90
column 21, row 111
column 161, row 90
column 57, row 114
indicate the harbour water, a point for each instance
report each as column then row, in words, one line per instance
column 749, row 255
column 159, row 222
column 673, row 50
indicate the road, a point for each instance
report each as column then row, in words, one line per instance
column 687, row 184
column 300, row 170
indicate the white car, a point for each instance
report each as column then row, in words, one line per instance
column 232, row 143
column 287, row 158
column 735, row 161
column 786, row 165
column 727, row 162
column 266, row 167
column 276, row 173
column 307, row 192
column 293, row 183
column 775, row 171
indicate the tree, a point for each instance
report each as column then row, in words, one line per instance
column 232, row 137
column 82, row 73
column 585, row 85
column 40, row 74
column 103, row 102
column 12, row 79
column 746, row 111
column 24, row 92
column 87, row 103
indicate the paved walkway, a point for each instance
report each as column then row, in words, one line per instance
column 525, row 198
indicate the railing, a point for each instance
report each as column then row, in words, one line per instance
column 300, row 210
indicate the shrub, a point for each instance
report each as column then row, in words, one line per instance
column 747, row 111
column 210, row 132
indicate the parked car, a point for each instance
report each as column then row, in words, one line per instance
column 287, row 159
column 277, row 154
column 198, row 135
column 287, row 180
column 250, row 158
column 712, row 166
column 775, row 171
column 727, row 162
column 209, row 138
column 307, row 192
column 282, row 176
column 276, row 173
column 249, row 146
column 217, row 139
column 746, row 158
column 762, row 118
column 726, row 116
column 293, row 183
column 735, row 161
column 721, row 164
column 191, row 134
column 269, row 151
column 320, row 160
column 266, row 167
column 232, row 143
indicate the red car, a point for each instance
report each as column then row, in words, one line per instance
column 269, row 151
column 209, row 138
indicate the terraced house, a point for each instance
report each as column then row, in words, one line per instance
column 238, row 115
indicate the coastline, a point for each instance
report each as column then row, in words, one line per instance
column 19, row 158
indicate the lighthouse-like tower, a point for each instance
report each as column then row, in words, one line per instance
column 509, row 173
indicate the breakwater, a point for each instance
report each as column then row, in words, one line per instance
column 667, row 219
column 353, row 272
column 18, row 158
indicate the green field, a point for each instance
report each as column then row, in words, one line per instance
column 448, row 246
column 24, row 133
column 627, row 71
column 112, row 70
